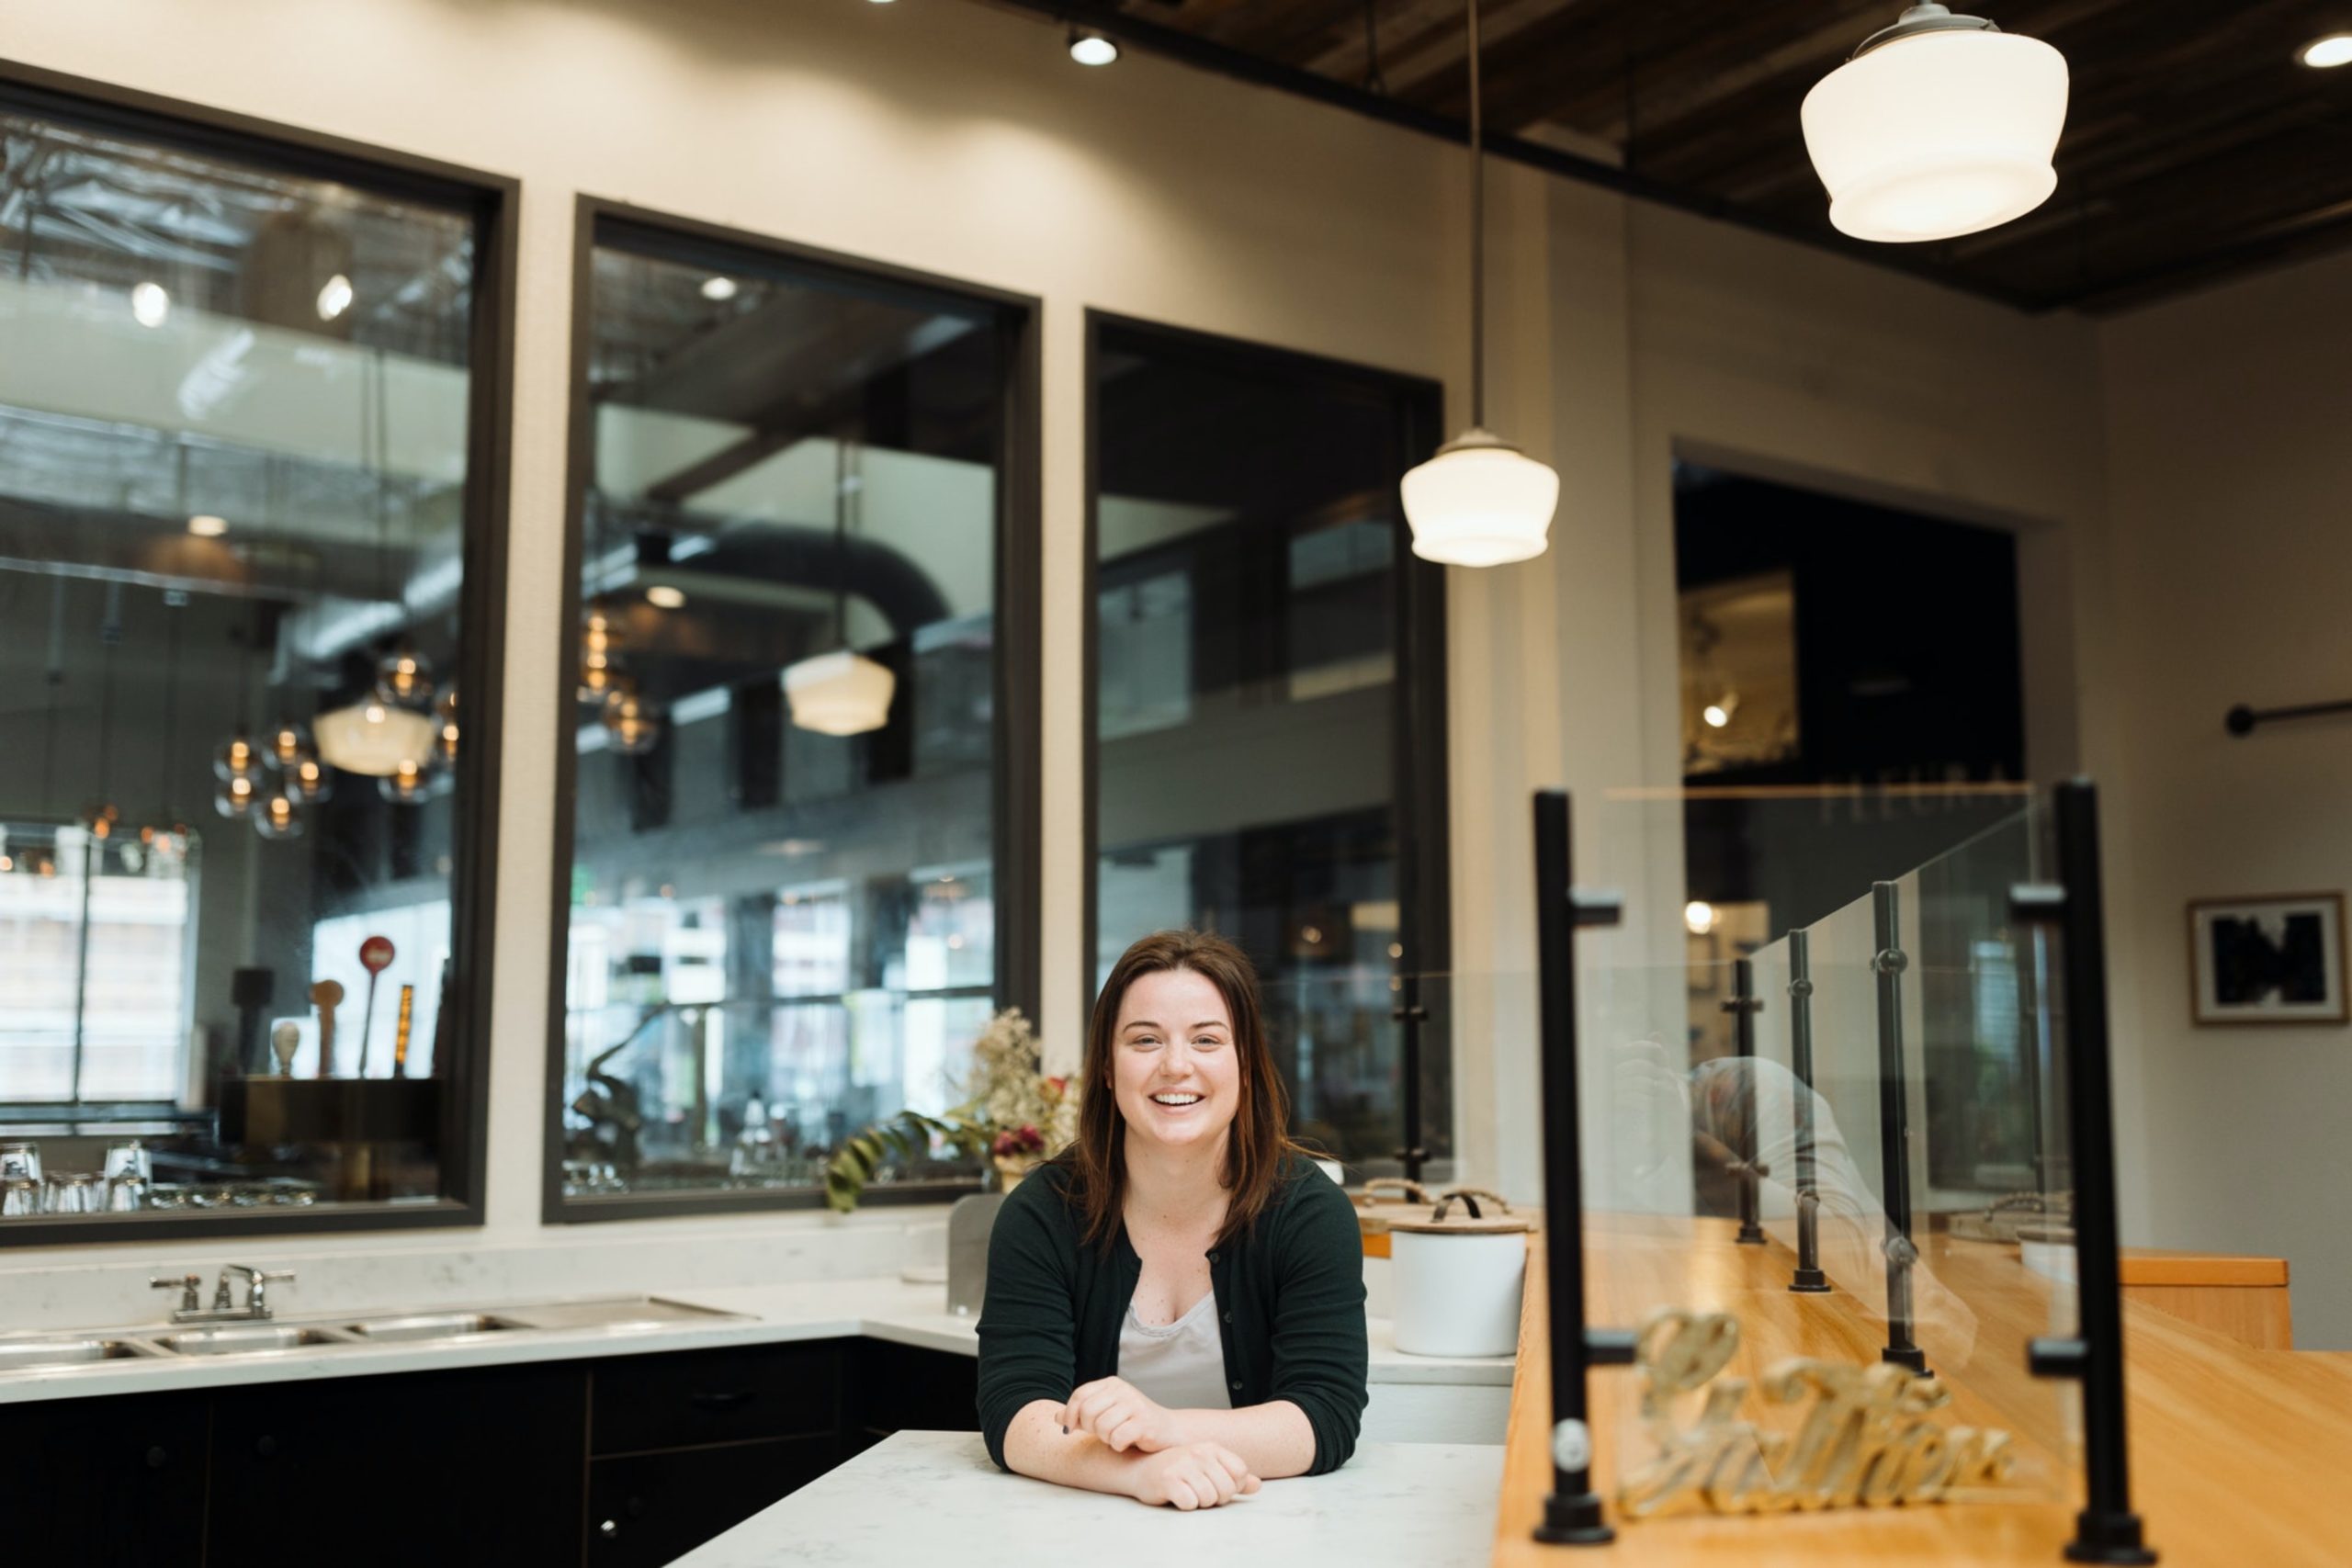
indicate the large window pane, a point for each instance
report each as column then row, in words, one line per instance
column 238, row 417
column 1255, row 617
column 785, row 922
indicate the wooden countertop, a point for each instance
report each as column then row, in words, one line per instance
column 2238, row 1456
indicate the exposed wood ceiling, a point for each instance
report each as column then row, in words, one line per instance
column 2196, row 146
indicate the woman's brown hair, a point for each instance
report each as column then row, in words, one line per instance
column 1259, row 1138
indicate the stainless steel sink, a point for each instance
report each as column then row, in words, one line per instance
column 24, row 1354
column 429, row 1326
column 613, row 1311
column 238, row 1338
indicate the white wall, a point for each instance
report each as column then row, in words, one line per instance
column 2230, row 468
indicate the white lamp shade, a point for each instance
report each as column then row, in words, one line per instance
column 1480, row 502
column 373, row 736
column 840, row 693
column 1938, row 134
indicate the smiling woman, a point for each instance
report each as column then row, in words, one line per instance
column 1175, row 1304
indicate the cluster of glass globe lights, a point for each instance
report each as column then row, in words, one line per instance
column 403, row 734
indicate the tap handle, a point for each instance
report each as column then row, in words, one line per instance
column 187, row 1285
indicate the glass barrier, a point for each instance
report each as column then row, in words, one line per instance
column 1824, row 1175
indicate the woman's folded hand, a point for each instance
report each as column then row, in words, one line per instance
column 1193, row 1475
column 1121, row 1417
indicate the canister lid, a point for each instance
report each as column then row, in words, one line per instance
column 1461, row 1212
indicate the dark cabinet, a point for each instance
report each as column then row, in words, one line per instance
column 646, row 1509
column 483, row 1466
column 698, row 1397
column 649, row 1455
column 903, row 1388
column 98, row 1483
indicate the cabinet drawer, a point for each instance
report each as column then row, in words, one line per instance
column 648, row 1510
column 714, row 1396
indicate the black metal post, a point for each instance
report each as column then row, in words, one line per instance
column 1888, row 961
column 2106, row 1530
column 1743, row 1007
column 1809, row 1280
column 1410, row 1013
column 1572, row 1511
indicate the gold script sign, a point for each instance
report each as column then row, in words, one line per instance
column 1863, row 1440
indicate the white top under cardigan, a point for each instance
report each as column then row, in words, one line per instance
column 1180, row 1366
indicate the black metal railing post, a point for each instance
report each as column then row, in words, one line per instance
column 1808, row 1280
column 1888, row 961
column 2106, row 1530
column 1572, row 1511
column 1743, row 1007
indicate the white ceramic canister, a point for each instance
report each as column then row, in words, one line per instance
column 1457, row 1275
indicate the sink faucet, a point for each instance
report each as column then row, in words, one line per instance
column 223, row 1310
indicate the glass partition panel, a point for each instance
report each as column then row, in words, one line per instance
column 789, row 918
column 1760, row 1121
column 246, row 574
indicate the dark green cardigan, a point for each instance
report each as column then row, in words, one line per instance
column 1289, row 1293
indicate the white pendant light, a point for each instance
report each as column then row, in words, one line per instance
column 1939, row 125
column 373, row 736
column 840, row 693
column 1480, row 501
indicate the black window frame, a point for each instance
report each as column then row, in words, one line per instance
column 1420, row 751
column 493, row 201
column 1016, row 800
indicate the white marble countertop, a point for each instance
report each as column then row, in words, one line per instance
column 888, row 1309
column 933, row 1497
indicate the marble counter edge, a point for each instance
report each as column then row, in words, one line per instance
column 766, row 1320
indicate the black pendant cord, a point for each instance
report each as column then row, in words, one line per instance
column 1478, row 236
column 840, row 543
column 109, row 637
column 55, row 680
column 171, row 713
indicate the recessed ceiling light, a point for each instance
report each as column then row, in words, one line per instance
column 1093, row 49
column 335, row 297
column 204, row 525
column 150, row 304
column 661, row 596
column 2333, row 50
column 718, row 288
column 1699, row 916
column 1716, row 715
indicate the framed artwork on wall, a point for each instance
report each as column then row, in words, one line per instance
column 2278, row 958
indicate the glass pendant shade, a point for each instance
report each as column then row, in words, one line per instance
column 309, row 781
column 840, row 693
column 405, row 677
column 599, row 664
column 1946, row 129
column 406, row 785
column 1480, row 502
column 279, row 816
column 445, row 727
column 373, row 736
column 286, row 743
column 633, row 723
column 236, row 798
column 240, row 758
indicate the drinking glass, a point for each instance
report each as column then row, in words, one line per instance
column 19, row 1195
column 20, row 1160
column 126, row 1191
column 131, row 1156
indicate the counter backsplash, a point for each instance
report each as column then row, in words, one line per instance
column 103, row 1286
